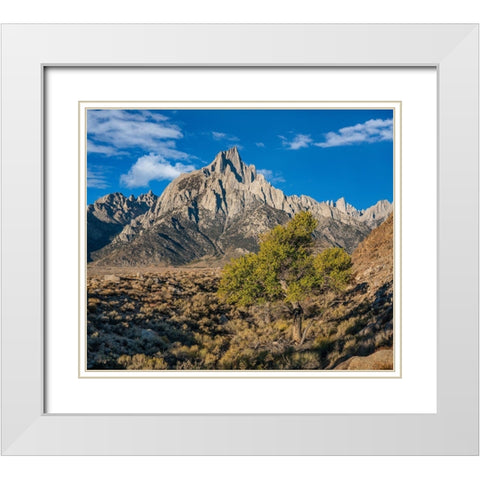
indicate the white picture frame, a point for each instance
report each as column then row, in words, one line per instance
column 28, row 49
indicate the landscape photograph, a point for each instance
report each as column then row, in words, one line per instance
column 239, row 239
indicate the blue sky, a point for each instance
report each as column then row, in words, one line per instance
column 326, row 154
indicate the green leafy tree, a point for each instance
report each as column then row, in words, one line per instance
column 285, row 270
column 334, row 268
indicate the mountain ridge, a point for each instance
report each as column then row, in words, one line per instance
column 215, row 211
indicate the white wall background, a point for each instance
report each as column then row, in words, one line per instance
column 246, row 11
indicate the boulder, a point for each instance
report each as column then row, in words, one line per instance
column 380, row 360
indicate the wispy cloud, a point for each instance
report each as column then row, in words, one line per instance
column 98, row 148
column 96, row 178
column 372, row 131
column 298, row 141
column 272, row 177
column 222, row 136
column 218, row 135
column 260, row 144
column 111, row 131
column 153, row 167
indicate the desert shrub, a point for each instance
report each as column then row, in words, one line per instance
column 365, row 346
column 346, row 326
column 323, row 345
column 384, row 339
column 185, row 352
column 332, row 331
column 355, row 326
column 349, row 346
column 140, row 361
column 127, row 306
column 93, row 304
column 282, row 325
column 113, row 315
column 107, row 292
column 302, row 361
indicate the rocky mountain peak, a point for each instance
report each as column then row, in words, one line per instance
column 148, row 198
column 379, row 211
column 108, row 215
column 214, row 211
column 344, row 207
column 229, row 161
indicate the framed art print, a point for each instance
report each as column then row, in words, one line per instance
column 173, row 321
column 231, row 244
column 187, row 224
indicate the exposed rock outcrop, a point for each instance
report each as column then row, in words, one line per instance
column 380, row 360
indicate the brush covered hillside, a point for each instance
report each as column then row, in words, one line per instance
column 210, row 215
column 373, row 276
column 172, row 318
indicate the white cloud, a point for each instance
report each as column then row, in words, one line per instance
column 110, row 131
column 224, row 137
column 96, row 178
column 299, row 141
column 152, row 167
column 372, row 131
column 97, row 148
column 168, row 150
column 271, row 176
column 260, row 144
column 218, row 135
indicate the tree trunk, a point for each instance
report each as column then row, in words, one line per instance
column 297, row 312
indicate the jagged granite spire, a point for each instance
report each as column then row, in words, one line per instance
column 230, row 161
column 345, row 207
